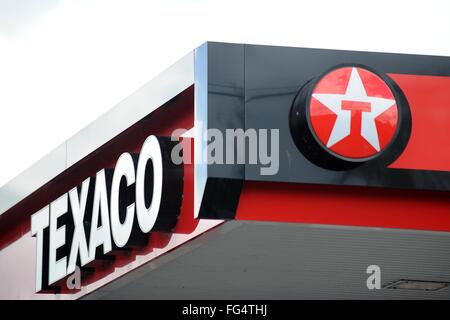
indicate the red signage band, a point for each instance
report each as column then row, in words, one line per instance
column 429, row 101
column 344, row 205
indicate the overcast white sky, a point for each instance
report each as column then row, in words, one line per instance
column 63, row 63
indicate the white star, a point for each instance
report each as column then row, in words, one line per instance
column 355, row 92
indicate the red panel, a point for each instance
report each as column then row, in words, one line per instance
column 429, row 100
column 351, row 206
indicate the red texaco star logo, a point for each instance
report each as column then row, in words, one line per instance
column 353, row 112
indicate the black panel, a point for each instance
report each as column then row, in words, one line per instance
column 172, row 195
column 272, row 77
column 226, row 98
column 221, row 198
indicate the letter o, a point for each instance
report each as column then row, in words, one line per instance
column 121, row 232
column 151, row 151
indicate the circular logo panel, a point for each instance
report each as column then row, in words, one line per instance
column 353, row 112
column 348, row 116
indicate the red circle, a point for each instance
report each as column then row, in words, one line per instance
column 366, row 125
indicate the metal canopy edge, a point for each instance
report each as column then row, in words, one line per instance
column 142, row 102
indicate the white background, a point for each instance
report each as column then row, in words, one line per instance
column 63, row 63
